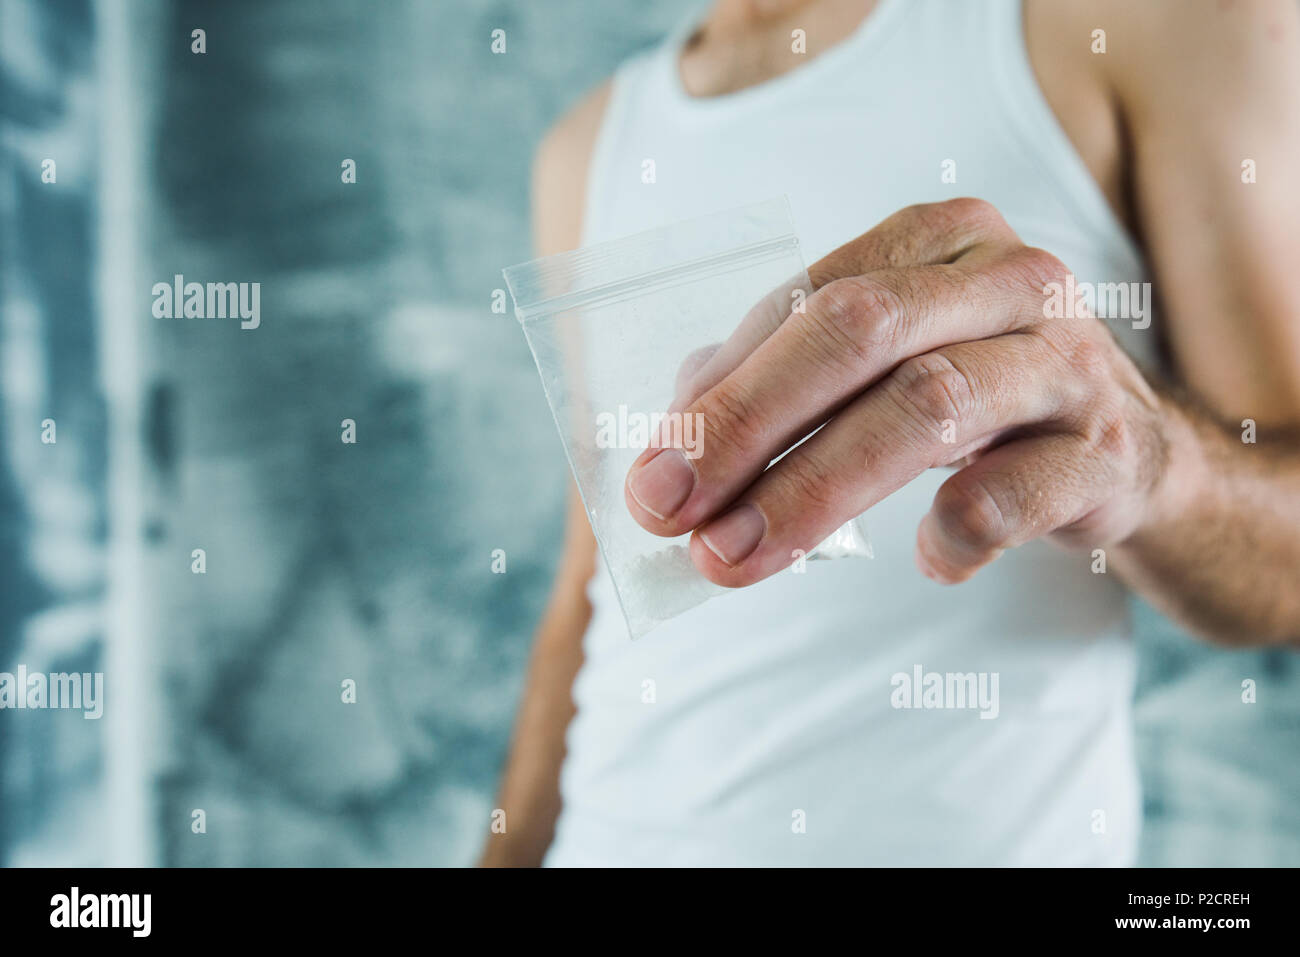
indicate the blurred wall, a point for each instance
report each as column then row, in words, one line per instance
column 53, row 500
column 369, row 561
column 1218, row 735
column 324, row 561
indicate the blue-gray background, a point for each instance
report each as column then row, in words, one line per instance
column 328, row 561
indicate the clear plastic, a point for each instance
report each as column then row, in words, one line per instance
column 625, row 334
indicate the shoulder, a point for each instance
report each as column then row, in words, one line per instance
column 1156, row 48
column 560, row 168
column 1172, row 57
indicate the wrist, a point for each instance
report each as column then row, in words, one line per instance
column 1182, row 473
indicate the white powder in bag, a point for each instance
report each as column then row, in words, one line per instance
column 660, row 585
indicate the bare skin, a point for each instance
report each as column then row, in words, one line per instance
column 1060, row 435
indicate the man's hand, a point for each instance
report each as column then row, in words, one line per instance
column 925, row 344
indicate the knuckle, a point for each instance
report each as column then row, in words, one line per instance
column 972, row 210
column 935, row 389
column 1088, row 359
column 920, row 221
column 1110, row 435
column 963, row 222
column 971, row 515
column 857, row 316
column 966, row 216
column 1037, row 268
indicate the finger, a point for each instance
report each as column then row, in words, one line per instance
column 934, row 409
column 1016, row 493
column 852, row 333
column 687, row 373
column 759, row 323
column 927, row 234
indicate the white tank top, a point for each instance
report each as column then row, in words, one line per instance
column 765, row 726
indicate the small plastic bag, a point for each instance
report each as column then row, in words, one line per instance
column 625, row 334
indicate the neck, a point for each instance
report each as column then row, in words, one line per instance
column 751, row 13
column 746, row 42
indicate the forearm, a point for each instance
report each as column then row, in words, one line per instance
column 1221, row 551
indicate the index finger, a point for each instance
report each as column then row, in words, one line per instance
column 927, row 234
